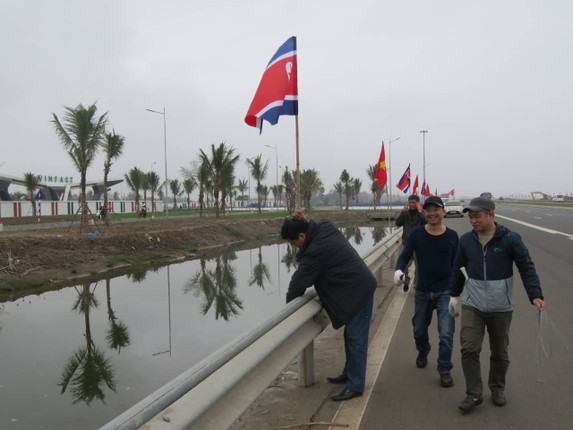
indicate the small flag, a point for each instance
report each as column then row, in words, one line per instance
column 426, row 190
column 404, row 182
column 277, row 93
column 415, row 190
column 381, row 175
column 452, row 192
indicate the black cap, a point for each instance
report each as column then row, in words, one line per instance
column 480, row 204
column 434, row 200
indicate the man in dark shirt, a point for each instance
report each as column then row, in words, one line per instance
column 435, row 248
column 411, row 217
column 344, row 285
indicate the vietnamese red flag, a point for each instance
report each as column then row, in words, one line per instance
column 415, row 189
column 381, row 176
column 277, row 93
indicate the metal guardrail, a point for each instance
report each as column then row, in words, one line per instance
column 217, row 390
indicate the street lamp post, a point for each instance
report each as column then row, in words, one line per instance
column 276, row 172
column 165, row 155
column 424, row 160
column 389, row 194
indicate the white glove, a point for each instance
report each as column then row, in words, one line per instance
column 454, row 306
column 398, row 277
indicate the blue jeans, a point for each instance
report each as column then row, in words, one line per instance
column 425, row 303
column 356, row 348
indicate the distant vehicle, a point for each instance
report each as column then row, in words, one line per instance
column 558, row 198
column 454, row 208
column 486, row 195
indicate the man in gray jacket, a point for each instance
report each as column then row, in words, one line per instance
column 488, row 253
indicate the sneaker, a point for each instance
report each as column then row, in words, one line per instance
column 469, row 403
column 498, row 398
column 422, row 360
column 446, row 380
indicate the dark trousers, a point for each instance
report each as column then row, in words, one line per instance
column 474, row 323
column 356, row 348
column 424, row 305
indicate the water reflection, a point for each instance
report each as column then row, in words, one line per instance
column 218, row 286
column 121, row 352
column 117, row 335
column 87, row 369
column 260, row 272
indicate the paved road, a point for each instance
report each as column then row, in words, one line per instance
column 540, row 394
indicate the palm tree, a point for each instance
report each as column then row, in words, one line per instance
column 175, row 187
column 356, row 185
column 154, row 184
column 81, row 134
column 221, row 167
column 242, row 186
column 134, row 180
column 290, row 189
column 189, row 185
column 117, row 334
column 202, row 170
column 309, row 183
column 31, row 182
column 376, row 190
column 112, row 146
column 339, row 188
column 347, row 184
column 258, row 172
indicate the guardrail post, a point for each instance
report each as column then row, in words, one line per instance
column 306, row 366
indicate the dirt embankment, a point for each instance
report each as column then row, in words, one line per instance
column 61, row 255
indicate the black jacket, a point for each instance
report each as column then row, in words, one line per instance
column 409, row 220
column 342, row 280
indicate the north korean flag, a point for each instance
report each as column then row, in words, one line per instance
column 404, row 182
column 277, row 93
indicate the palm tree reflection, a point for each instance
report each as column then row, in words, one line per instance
column 289, row 258
column 88, row 368
column 377, row 234
column 260, row 273
column 218, row 286
column 353, row 233
column 117, row 334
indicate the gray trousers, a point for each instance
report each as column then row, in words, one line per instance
column 472, row 332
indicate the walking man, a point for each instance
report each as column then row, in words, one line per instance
column 411, row 217
column 344, row 285
column 488, row 253
column 435, row 248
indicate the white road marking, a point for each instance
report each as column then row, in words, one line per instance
column 536, row 227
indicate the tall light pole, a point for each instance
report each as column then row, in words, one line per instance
column 165, row 154
column 424, row 160
column 276, row 173
column 389, row 194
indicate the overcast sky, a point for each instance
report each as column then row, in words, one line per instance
column 491, row 81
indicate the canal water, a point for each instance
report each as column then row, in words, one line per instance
column 80, row 356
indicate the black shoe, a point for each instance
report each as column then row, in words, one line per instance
column 469, row 403
column 406, row 286
column 422, row 360
column 446, row 380
column 498, row 398
column 340, row 379
column 346, row 394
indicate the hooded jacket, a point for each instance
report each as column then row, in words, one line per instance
column 489, row 286
column 342, row 280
